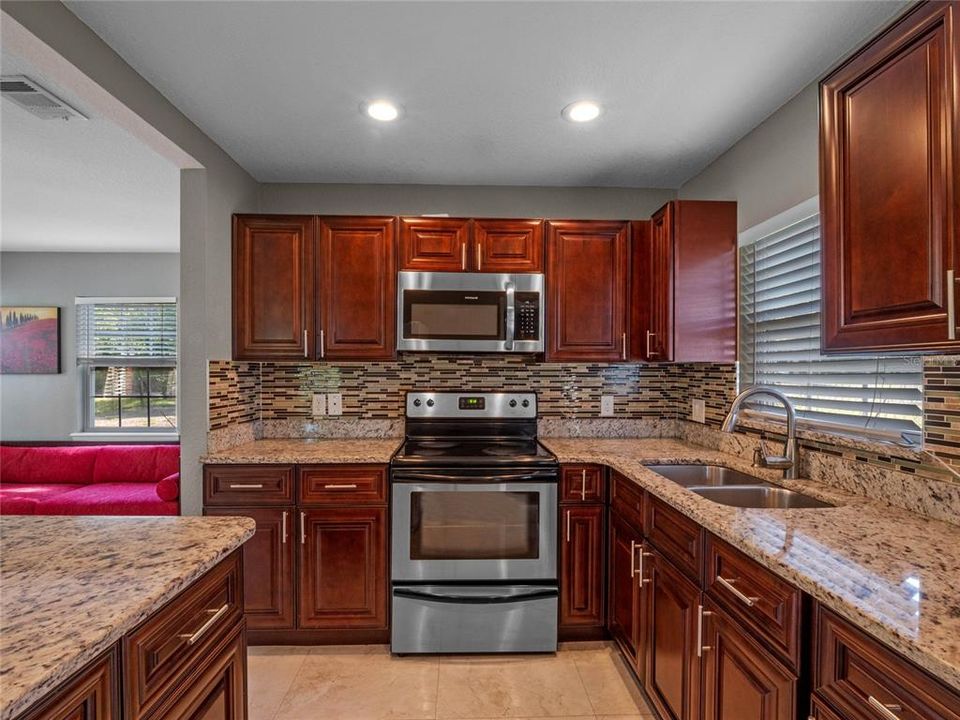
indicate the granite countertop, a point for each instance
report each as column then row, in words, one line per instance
column 307, row 451
column 70, row 587
column 891, row 572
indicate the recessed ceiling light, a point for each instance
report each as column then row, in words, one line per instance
column 382, row 110
column 581, row 111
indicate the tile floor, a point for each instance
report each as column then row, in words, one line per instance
column 582, row 681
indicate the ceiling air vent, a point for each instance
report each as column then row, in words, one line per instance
column 36, row 99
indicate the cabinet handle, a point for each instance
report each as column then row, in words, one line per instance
column 701, row 613
column 217, row 614
column 650, row 336
column 306, row 348
column 623, row 346
column 463, row 256
column 323, row 350
column 283, row 527
column 643, row 579
column 343, row 486
column 728, row 584
column 568, row 526
column 951, row 306
column 887, row 710
column 633, row 557
column 303, row 528
column 583, row 484
column 479, row 261
column 246, row 486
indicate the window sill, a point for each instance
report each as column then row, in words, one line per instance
column 125, row 437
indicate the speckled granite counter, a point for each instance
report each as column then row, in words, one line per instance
column 72, row 586
column 307, row 451
column 893, row 573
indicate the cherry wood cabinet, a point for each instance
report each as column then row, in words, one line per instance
column 741, row 679
column 889, row 193
column 434, row 244
column 356, row 288
column 625, row 609
column 91, row 694
column 272, row 287
column 582, row 484
column 507, row 246
column 581, row 566
column 683, row 283
column 587, row 290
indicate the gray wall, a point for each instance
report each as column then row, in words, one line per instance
column 463, row 200
column 769, row 170
column 47, row 407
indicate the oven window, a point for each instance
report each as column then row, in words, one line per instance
column 493, row 525
column 450, row 315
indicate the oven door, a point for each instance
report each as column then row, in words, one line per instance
column 462, row 526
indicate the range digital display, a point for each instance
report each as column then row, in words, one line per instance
column 472, row 403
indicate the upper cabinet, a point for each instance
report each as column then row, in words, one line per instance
column 457, row 245
column 683, row 284
column 587, row 263
column 356, row 288
column 272, row 286
column 889, row 195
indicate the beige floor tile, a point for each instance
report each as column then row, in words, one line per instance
column 362, row 685
column 525, row 686
column 610, row 688
column 270, row 673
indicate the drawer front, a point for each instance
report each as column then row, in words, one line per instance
column 159, row 652
column 582, row 483
column 865, row 680
column 343, row 484
column 626, row 499
column 768, row 605
column 678, row 537
column 227, row 485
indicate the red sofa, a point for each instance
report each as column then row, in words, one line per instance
column 90, row 480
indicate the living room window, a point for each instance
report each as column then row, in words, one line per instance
column 780, row 338
column 127, row 352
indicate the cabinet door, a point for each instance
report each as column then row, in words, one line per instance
column 889, row 200
column 673, row 657
column 90, row 695
column 658, row 344
column 268, row 591
column 507, row 246
column 586, row 286
column 434, row 244
column 356, row 288
column 581, row 565
column 272, row 287
column 624, row 583
column 343, row 568
column 741, row 680
column 582, row 484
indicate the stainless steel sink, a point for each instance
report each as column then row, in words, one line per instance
column 690, row 476
column 762, row 496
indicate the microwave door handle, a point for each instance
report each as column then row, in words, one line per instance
column 511, row 315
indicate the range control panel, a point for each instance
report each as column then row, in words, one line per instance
column 508, row 406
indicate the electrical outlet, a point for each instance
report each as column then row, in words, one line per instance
column 319, row 404
column 698, row 411
column 334, row 404
column 606, row 406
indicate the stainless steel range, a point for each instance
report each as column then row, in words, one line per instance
column 474, row 564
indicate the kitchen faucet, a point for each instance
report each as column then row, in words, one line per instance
column 787, row 462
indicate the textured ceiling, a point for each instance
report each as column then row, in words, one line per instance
column 278, row 85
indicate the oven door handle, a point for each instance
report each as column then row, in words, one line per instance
column 537, row 594
column 543, row 476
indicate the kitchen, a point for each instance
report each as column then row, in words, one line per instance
column 454, row 441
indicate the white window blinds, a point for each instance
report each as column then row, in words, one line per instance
column 780, row 341
column 131, row 332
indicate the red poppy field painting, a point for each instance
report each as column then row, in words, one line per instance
column 29, row 340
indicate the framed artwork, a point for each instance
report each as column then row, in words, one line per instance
column 29, row 340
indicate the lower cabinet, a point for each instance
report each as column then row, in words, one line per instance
column 625, row 597
column 581, row 569
column 90, row 695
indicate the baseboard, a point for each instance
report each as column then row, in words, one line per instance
column 581, row 634
column 353, row 636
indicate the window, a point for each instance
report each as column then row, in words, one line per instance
column 780, row 340
column 127, row 352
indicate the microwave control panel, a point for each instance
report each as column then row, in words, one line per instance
column 527, row 316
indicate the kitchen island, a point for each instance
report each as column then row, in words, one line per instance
column 75, row 590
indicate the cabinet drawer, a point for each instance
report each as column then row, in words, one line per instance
column 343, row 484
column 768, row 605
column 581, row 483
column 248, row 485
column 158, row 654
column 859, row 677
column 678, row 537
column 626, row 499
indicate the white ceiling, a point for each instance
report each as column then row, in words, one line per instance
column 278, row 85
column 81, row 185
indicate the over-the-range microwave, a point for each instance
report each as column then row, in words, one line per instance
column 470, row 312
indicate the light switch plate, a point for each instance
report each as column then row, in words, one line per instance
column 698, row 411
column 606, row 406
column 318, row 405
column 334, row 404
